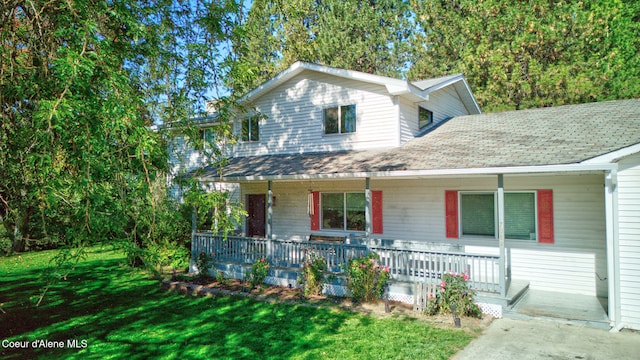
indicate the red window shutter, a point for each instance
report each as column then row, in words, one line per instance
column 376, row 202
column 545, row 216
column 314, row 210
column 451, row 213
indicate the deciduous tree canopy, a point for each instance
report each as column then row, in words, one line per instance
column 81, row 83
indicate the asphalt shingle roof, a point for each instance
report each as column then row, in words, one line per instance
column 548, row 136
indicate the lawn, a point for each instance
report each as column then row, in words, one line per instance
column 107, row 310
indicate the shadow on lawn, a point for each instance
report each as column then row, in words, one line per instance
column 122, row 313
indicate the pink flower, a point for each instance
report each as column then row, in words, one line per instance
column 364, row 266
column 465, row 277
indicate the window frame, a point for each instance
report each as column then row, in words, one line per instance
column 340, row 122
column 344, row 211
column 207, row 135
column 430, row 115
column 249, row 120
column 495, row 214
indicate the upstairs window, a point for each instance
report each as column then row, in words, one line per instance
column 340, row 119
column 250, row 128
column 207, row 135
column 425, row 117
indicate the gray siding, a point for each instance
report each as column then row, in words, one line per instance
column 629, row 240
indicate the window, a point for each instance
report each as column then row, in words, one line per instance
column 340, row 119
column 250, row 128
column 478, row 213
column 343, row 211
column 425, row 117
column 207, row 135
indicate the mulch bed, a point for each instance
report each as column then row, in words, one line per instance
column 281, row 294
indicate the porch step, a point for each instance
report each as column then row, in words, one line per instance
column 517, row 289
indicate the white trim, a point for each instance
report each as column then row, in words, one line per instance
column 613, row 250
column 499, row 213
column 393, row 86
column 431, row 173
column 614, row 156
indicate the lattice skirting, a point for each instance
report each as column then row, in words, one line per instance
column 494, row 310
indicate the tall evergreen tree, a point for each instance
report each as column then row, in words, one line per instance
column 368, row 36
column 531, row 54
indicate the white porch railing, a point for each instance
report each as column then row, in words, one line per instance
column 404, row 264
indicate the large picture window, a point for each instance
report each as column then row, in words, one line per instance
column 250, row 129
column 343, row 211
column 478, row 213
column 340, row 119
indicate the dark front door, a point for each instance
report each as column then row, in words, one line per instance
column 256, row 219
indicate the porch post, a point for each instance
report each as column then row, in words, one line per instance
column 503, row 288
column 194, row 221
column 613, row 251
column 368, row 218
column 268, row 229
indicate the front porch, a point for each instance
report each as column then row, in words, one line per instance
column 407, row 264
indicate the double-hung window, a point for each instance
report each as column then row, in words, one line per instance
column 250, row 128
column 340, row 119
column 343, row 211
column 478, row 213
column 207, row 135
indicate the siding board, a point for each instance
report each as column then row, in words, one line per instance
column 629, row 240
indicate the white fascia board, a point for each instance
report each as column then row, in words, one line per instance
column 614, row 156
column 266, row 86
column 393, row 86
column 468, row 91
column 434, row 173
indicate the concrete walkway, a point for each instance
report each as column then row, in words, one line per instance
column 550, row 339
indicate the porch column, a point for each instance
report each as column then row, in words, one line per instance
column 503, row 288
column 613, row 251
column 268, row 229
column 194, row 221
column 368, row 218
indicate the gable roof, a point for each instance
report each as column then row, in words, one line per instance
column 563, row 135
column 416, row 91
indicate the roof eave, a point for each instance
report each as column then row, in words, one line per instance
column 433, row 173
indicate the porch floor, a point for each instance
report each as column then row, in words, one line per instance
column 589, row 310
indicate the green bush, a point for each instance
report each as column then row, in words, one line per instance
column 366, row 279
column 259, row 272
column 454, row 291
column 203, row 263
column 313, row 274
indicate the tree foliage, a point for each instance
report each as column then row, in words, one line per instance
column 531, row 54
column 81, row 84
column 514, row 54
column 368, row 36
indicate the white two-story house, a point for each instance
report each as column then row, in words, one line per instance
column 554, row 193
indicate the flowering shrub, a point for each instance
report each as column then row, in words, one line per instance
column 313, row 273
column 454, row 291
column 366, row 279
column 259, row 272
column 203, row 262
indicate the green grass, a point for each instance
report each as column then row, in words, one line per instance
column 123, row 313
